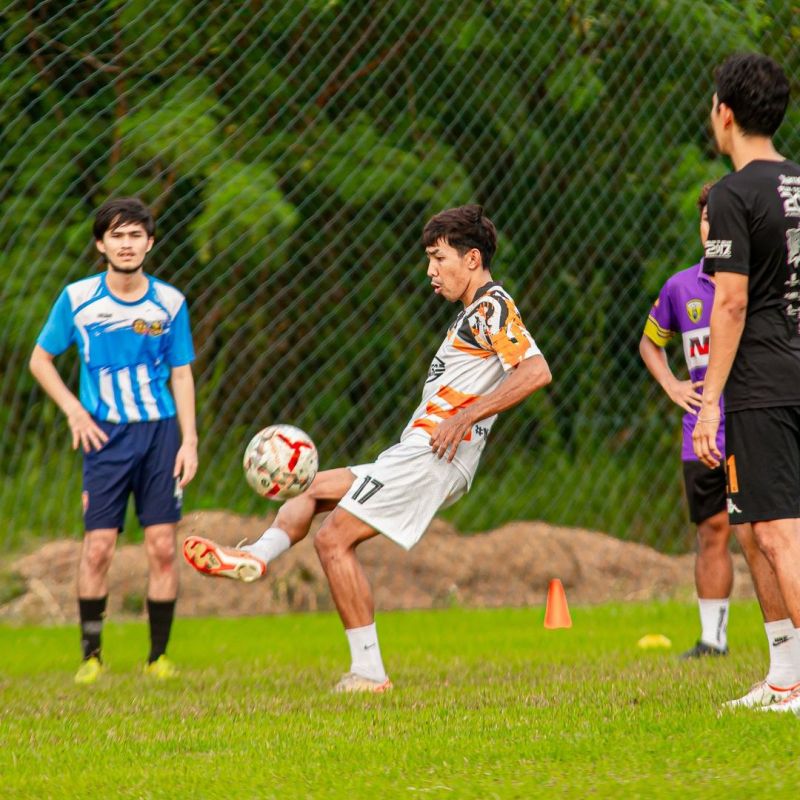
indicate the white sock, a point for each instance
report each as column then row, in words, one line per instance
column 365, row 653
column 272, row 543
column 784, row 653
column 714, row 622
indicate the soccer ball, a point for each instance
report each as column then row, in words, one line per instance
column 280, row 462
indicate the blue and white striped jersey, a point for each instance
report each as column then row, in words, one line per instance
column 127, row 349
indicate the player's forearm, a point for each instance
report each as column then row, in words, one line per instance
column 183, row 390
column 727, row 324
column 529, row 376
column 655, row 359
column 46, row 374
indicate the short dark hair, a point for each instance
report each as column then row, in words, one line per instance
column 702, row 198
column 463, row 228
column 122, row 211
column 756, row 89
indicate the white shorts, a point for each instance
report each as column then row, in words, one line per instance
column 400, row 493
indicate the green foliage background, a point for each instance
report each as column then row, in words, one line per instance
column 293, row 151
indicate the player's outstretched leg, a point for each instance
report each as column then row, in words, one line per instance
column 336, row 544
column 249, row 563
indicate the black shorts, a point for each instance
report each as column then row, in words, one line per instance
column 763, row 463
column 705, row 490
column 138, row 459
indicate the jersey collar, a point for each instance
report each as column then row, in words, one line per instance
column 482, row 290
column 145, row 296
column 701, row 276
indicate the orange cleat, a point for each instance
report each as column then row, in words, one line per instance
column 222, row 562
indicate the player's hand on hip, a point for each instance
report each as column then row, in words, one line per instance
column 86, row 433
column 704, row 438
column 447, row 435
column 185, row 463
column 685, row 394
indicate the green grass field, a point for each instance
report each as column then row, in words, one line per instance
column 487, row 704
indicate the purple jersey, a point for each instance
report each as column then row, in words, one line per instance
column 684, row 307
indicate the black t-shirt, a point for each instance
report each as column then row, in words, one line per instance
column 754, row 217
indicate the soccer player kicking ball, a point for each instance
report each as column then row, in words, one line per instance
column 684, row 306
column 132, row 334
column 753, row 249
column 487, row 363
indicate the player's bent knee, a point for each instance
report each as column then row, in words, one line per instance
column 328, row 541
column 97, row 556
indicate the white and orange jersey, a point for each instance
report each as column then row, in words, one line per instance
column 487, row 339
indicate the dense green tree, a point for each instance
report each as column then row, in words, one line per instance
column 293, row 151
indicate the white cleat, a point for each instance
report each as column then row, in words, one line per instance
column 226, row 562
column 351, row 682
column 763, row 695
column 790, row 703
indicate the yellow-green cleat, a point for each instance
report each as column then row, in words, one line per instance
column 89, row 671
column 162, row 669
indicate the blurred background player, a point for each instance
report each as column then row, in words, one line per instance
column 753, row 250
column 487, row 363
column 684, row 307
column 132, row 334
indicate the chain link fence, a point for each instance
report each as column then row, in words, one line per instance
column 292, row 152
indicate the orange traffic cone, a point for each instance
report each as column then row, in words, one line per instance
column 556, row 614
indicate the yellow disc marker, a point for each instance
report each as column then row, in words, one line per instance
column 654, row 640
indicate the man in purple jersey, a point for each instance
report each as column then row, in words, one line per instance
column 684, row 307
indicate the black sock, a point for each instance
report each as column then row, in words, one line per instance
column 91, row 610
column 160, row 613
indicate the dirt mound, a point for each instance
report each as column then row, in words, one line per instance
column 510, row 566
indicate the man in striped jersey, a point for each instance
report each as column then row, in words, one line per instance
column 487, row 363
column 132, row 334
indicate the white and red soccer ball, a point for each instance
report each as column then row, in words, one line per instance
column 280, row 462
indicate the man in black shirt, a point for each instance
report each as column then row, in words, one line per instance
column 753, row 249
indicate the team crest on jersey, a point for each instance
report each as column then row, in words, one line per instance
column 143, row 327
column 694, row 308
